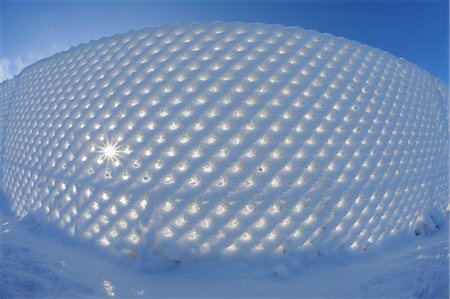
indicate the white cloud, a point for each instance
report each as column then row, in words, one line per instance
column 11, row 67
column 5, row 69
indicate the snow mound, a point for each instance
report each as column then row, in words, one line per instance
column 430, row 221
column 224, row 139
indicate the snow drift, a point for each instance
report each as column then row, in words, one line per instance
column 224, row 138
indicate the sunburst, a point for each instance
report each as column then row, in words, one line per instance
column 110, row 152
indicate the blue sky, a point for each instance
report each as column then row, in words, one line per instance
column 415, row 30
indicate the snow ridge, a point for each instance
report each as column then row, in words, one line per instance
column 225, row 138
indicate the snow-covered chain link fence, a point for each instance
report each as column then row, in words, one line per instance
column 225, row 139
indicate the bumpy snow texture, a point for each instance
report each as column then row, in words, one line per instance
column 222, row 139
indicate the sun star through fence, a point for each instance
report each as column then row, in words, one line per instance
column 224, row 138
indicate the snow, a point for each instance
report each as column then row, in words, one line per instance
column 224, row 159
column 36, row 263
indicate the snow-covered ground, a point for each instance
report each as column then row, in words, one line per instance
column 36, row 263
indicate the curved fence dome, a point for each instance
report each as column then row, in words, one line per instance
column 224, row 138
